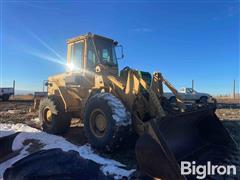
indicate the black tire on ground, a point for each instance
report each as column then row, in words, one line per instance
column 5, row 97
column 172, row 100
column 107, row 123
column 54, row 164
column 203, row 100
column 52, row 115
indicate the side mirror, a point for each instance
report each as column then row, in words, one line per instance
column 119, row 51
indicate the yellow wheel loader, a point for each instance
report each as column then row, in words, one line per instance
column 114, row 105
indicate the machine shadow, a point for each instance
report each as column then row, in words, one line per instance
column 125, row 154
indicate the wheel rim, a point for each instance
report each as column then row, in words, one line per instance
column 173, row 100
column 47, row 115
column 203, row 100
column 98, row 123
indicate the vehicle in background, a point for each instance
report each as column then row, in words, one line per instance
column 6, row 92
column 189, row 94
column 40, row 94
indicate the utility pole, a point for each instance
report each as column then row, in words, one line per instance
column 234, row 86
column 14, row 82
column 192, row 84
column 43, row 86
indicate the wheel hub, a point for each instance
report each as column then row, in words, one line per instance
column 98, row 123
column 47, row 115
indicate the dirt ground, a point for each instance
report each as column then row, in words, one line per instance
column 17, row 111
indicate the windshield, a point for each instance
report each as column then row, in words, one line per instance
column 106, row 51
column 189, row 90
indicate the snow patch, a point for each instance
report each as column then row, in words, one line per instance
column 106, row 169
column 49, row 141
column 15, row 111
column 11, row 111
column 35, row 120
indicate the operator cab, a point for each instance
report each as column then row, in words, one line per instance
column 87, row 51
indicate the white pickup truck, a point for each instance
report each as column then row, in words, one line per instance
column 188, row 94
column 5, row 93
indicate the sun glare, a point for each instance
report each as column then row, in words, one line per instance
column 56, row 58
column 70, row 66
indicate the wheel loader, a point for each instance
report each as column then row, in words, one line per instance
column 114, row 105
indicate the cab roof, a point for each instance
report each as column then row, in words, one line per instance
column 86, row 36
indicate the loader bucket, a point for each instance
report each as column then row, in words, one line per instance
column 190, row 136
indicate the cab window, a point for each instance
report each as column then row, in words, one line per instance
column 77, row 54
column 181, row 89
column 106, row 51
column 105, row 55
column 91, row 56
column 189, row 90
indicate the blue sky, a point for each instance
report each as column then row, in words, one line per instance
column 184, row 40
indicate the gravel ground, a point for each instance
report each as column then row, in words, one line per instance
column 18, row 112
column 228, row 114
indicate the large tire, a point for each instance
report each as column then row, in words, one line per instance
column 5, row 97
column 203, row 100
column 107, row 123
column 173, row 100
column 52, row 115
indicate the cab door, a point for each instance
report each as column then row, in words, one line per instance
column 189, row 94
column 76, row 56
